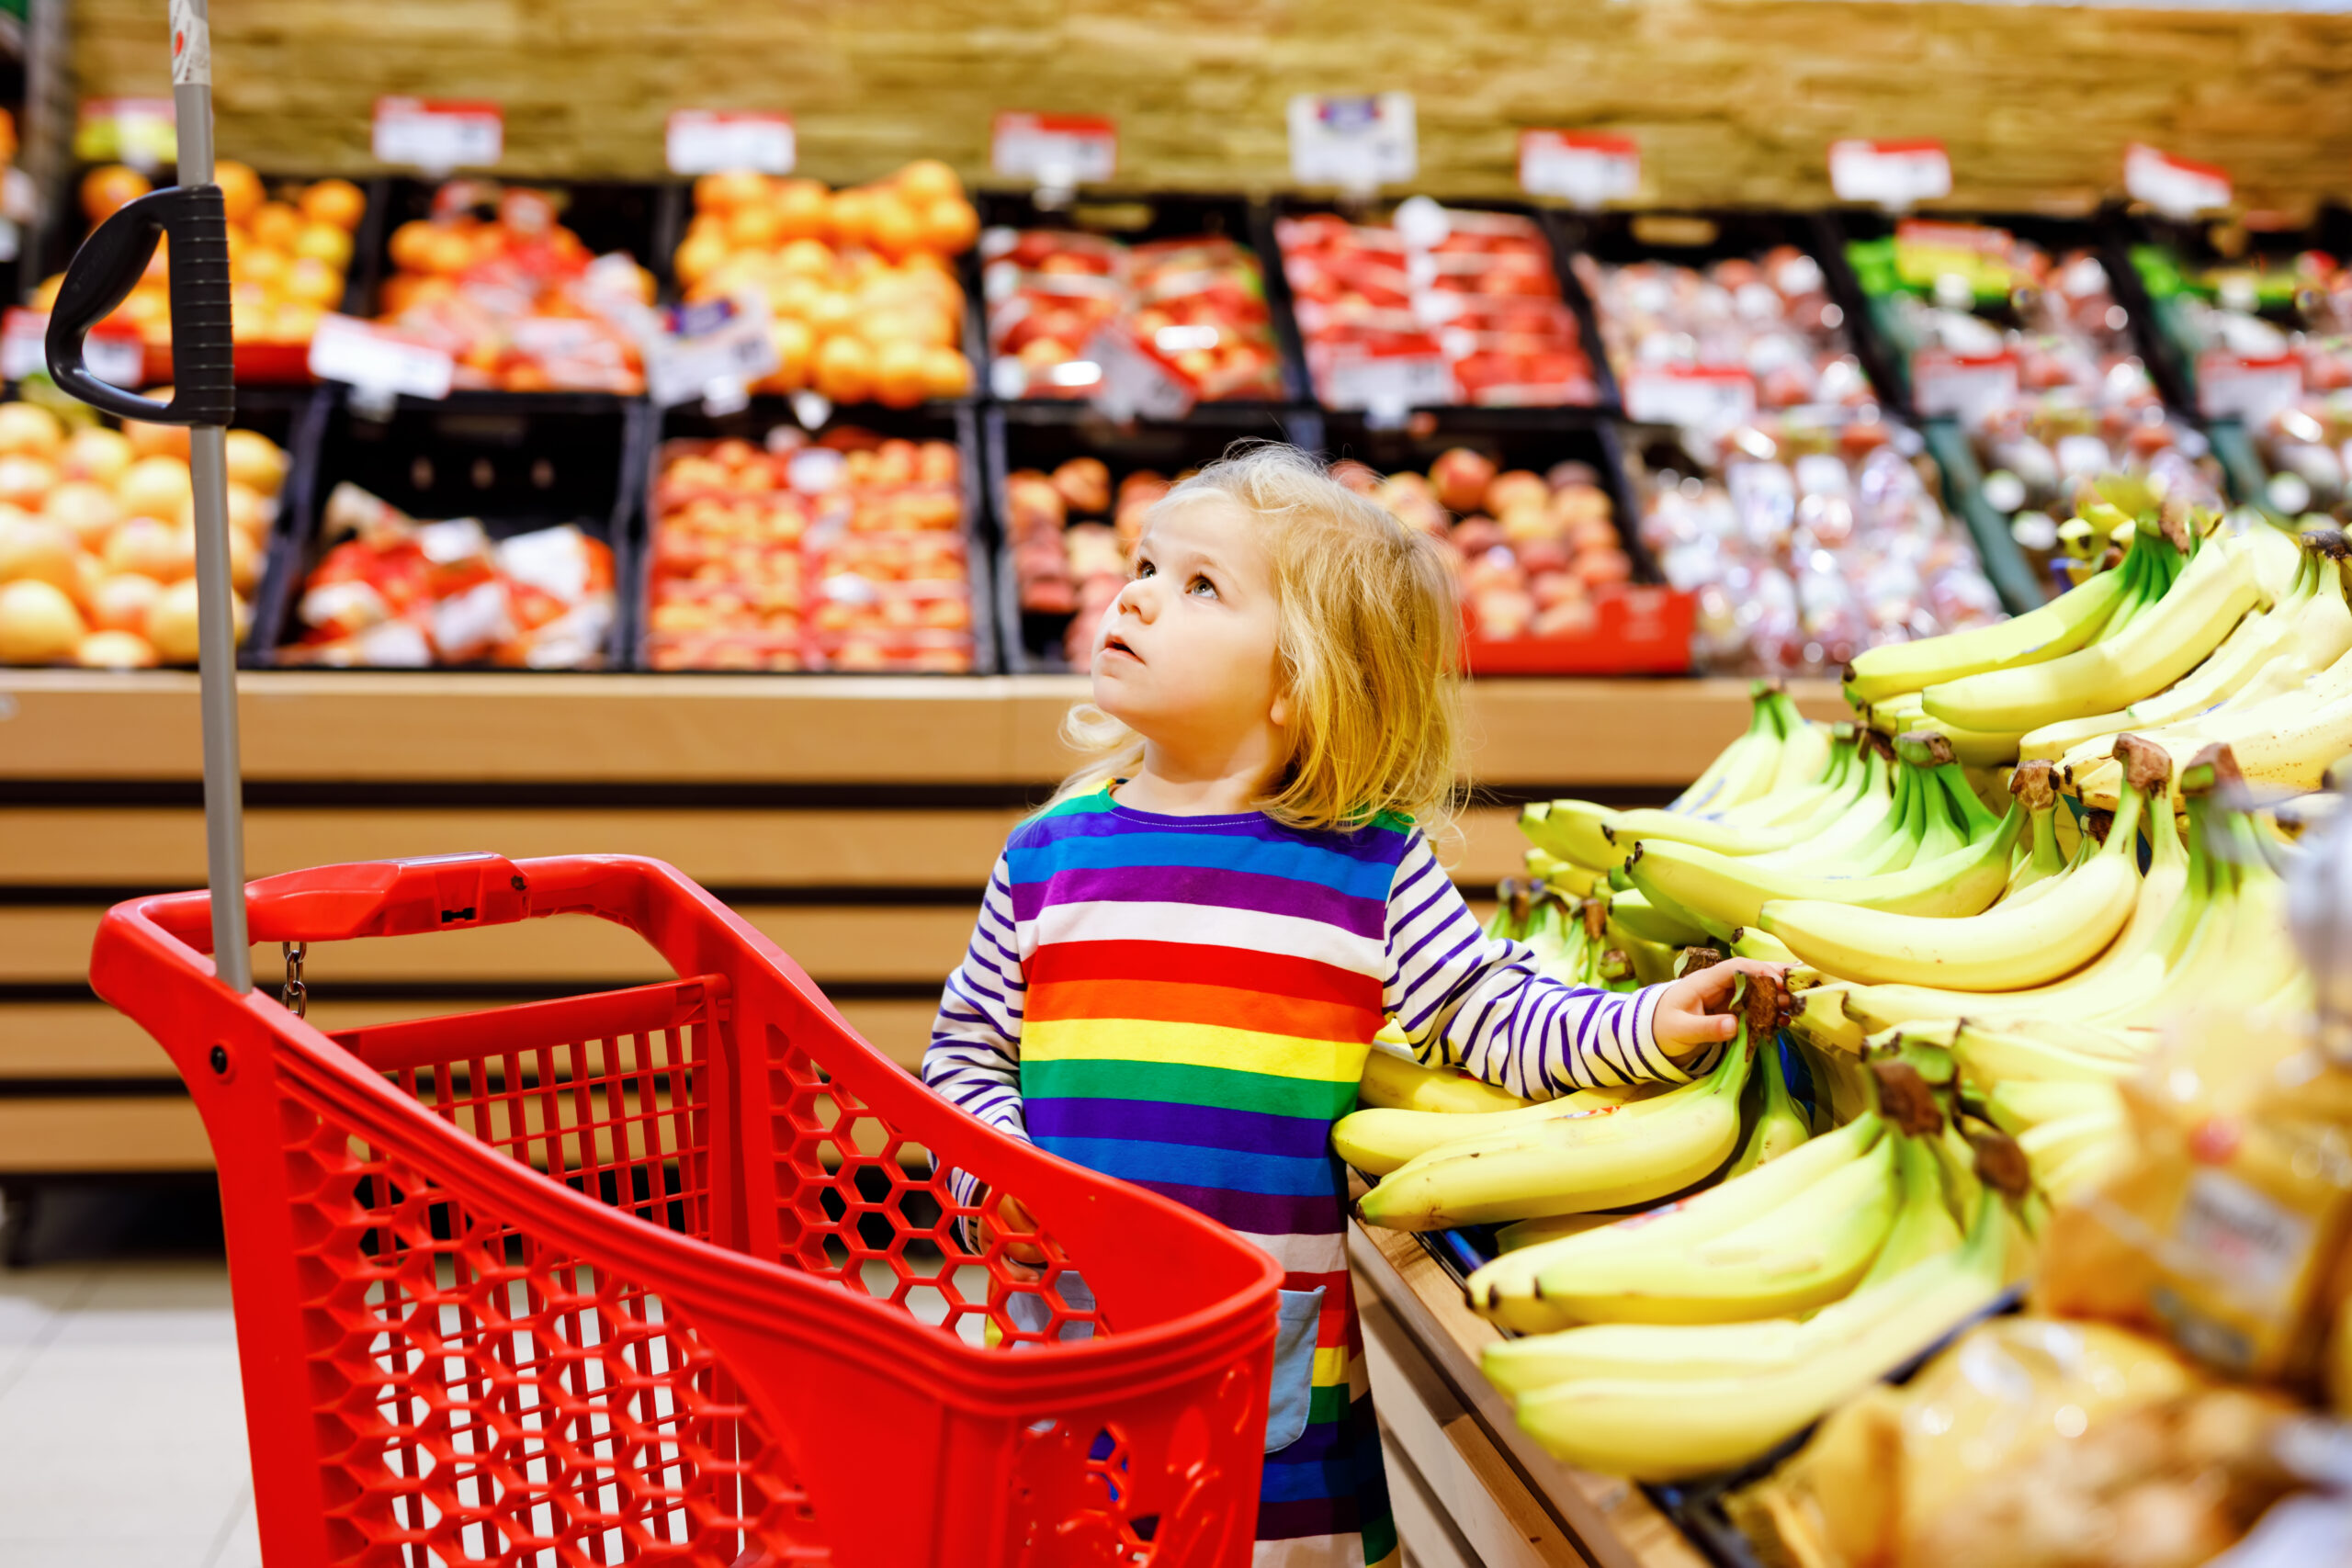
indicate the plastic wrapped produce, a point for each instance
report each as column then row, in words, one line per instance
column 1805, row 541
column 1770, row 316
column 1440, row 305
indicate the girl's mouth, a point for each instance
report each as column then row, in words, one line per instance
column 1116, row 644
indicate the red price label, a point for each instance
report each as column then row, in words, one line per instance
column 1966, row 385
column 346, row 348
column 2231, row 387
column 1057, row 151
column 718, row 141
column 1696, row 397
column 1587, row 168
column 437, row 135
column 1894, row 174
column 113, row 352
column 2175, row 187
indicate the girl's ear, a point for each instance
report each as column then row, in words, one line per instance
column 1279, row 714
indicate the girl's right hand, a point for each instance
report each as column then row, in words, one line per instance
column 1027, row 1257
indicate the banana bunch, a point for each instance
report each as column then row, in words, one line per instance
column 1665, row 1401
column 1932, row 848
column 1557, row 1157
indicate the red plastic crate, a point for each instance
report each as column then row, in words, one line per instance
column 667, row 1274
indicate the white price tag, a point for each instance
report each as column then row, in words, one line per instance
column 1356, row 141
column 718, row 141
column 1968, row 387
column 2173, row 186
column 1892, row 174
column 1696, row 397
column 346, row 348
column 1390, row 383
column 112, row 352
column 2231, row 387
column 437, row 136
column 1059, row 152
column 141, row 132
column 1585, row 168
column 1133, row 383
column 722, row 343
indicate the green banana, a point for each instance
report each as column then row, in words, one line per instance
column 1778, row 1128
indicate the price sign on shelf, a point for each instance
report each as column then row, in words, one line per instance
column 1695, row 397
column 1587, row 168
column 140, row 132
column 2173, row 186
column 715, row 141
column 1060, row 151
column 1133, row 383
column 346, row 348
column 1389, row 384
column 113, row 352
column 1894, row 174
column 1358, row 141
column 437, row 135
column 2231, row 387
column 1964, row 386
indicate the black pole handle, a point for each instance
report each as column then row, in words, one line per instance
column 105, row 269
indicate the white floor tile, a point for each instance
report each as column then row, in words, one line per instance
column 115, row 1552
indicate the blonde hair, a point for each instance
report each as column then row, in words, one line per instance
column 1369, row 635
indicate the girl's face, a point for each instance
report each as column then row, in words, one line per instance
column 1185, row 655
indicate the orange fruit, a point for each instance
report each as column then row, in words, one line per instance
column 723, row 193
column 853, row 213
column 796, row 297
column 844, row 368
column 892, row 227
column 338, row 202
column 945, row 373
column 412, row 243
column 804, row 207
column 259, row 264
column 927, row 180
column 832, row 314
column 900, row 377
column 699, row 256
column 793, row 346
column 276, row 224
column 240, row 190
column 806, row 258
column 448, row 251
column 45, row 297
column 293, row 322
column 754, row 226
column 950, row 226
column 309, row 281
column 327, row 242
column 110, row 187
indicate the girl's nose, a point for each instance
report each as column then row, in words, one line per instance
column 1137, row 596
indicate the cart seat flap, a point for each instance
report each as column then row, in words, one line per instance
column 498, row 1032
column 391, row 898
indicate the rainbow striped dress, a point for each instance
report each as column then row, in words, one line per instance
column 1185, row 1002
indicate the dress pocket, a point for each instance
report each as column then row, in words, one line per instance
column 1296, row 1315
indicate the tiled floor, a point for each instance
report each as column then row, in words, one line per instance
column 122, row 1439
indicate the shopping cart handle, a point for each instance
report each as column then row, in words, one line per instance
column 102, row 275
column 390, row 898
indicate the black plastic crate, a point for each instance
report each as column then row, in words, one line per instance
column 1699, row 240
column 1572, row 294
column 958, row 423
column 1044, row 435
column 517, row 461
column 1140, row 219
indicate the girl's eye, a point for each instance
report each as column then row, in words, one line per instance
column 1143, row 568
column 1203, row 586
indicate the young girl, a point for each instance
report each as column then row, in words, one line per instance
column 1181, row 963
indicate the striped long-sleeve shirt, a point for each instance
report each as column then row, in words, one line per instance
column 1186, row 1002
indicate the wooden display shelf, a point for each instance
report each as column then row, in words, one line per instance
column 1503, row 1501
column 472, row 727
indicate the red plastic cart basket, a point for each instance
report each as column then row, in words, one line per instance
column 667, row 1274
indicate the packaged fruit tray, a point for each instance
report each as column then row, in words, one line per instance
column 531, row 286
column 855, row 547
column 1806, row 536
column 2025, row 334
column 1425, row 305
column 297, row 248
column 1181, row 276
column 98, row 552
column 2251, row 328
column 1701, row 314
column 1070, row 486
column 1553, row 580
column 491, row 531
column 872, row 290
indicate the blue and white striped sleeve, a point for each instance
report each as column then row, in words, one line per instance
column 1465, row 999
column 974, row 1059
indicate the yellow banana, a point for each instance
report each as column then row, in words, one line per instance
column 1571, row 1164
column 1391, row 1081
column 2057, row 628
column 1379, row 1139
column 1924, row 1227
column 2020, row 1105
column 1525, row 1233
column 2219, row 586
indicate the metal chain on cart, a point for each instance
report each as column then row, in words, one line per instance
column 296, row 996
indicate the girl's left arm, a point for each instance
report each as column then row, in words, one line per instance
column 975, row 1055
column 1469, row 1000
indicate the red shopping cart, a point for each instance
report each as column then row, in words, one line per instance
column 664, row 1275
